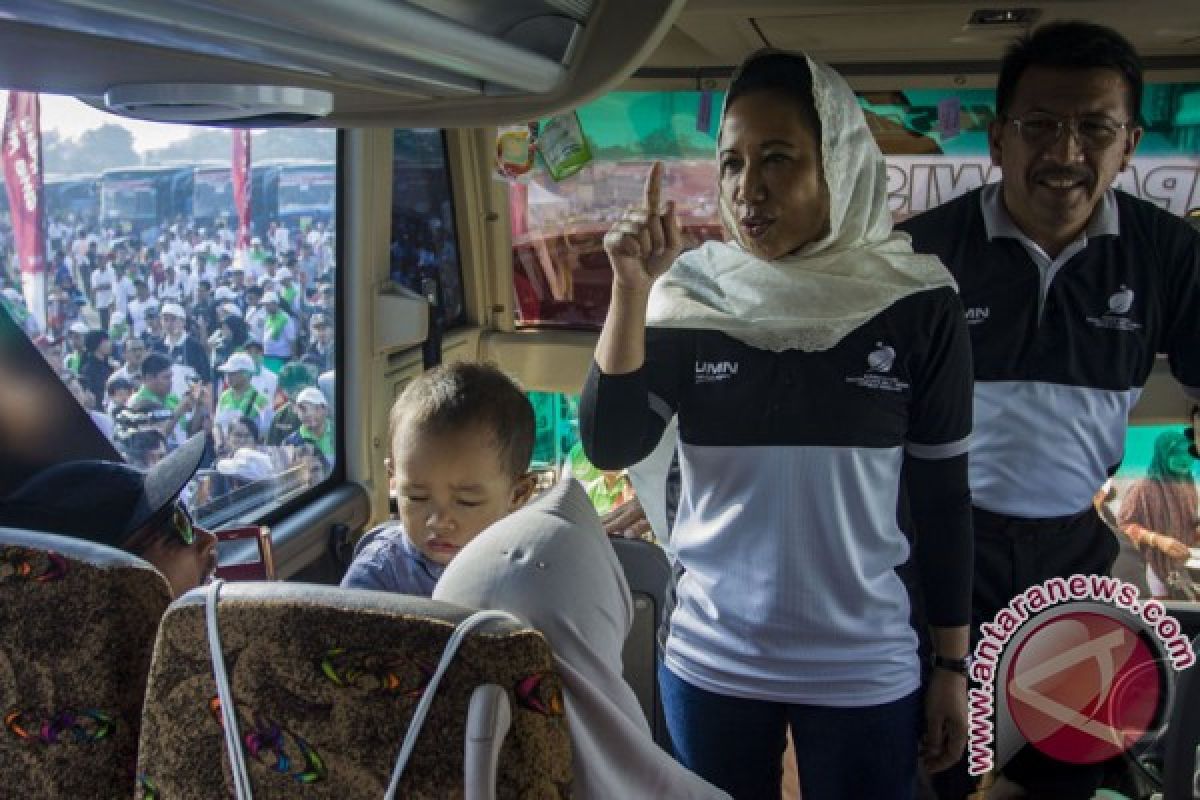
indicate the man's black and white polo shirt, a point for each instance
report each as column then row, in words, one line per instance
column 1062, row 347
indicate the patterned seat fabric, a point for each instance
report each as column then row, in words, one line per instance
column 78, row 622
column 325, row 682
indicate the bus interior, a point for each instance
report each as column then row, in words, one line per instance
column 392, row 179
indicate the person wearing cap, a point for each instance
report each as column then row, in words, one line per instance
column 315, row 429
column 289, row 290
column 237, row 277
column 320, row 349
column 182, row 347
column 279, row 330
column 117, row 505
column 75, row 333
column 118, row 327
column 241, row 398
column 265, row 381
column 293, row 378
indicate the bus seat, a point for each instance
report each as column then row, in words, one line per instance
column 325, row 682
column 78, row 622
column 648, row 574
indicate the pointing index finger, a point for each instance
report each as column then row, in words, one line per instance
column 654, row 187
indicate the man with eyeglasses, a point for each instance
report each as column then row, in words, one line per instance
column 114, row 504
column 1070, row 290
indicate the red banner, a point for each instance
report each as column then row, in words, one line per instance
column 23, row 179
column 240, row 172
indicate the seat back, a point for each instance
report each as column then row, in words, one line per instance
column 78, row 622
column 648, row 574
column 325, row 682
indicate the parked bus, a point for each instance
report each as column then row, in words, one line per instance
column 293, row 193
column 141, row 200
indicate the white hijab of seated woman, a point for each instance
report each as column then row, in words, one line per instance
column 551, row 565
column 812, row 298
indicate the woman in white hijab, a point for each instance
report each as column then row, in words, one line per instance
column 811, row 360
column 551, row 564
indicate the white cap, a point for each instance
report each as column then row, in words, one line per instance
column 231, row 309
column 174, row 309
column 248, row 464
column 311, row 396
column 235, row 267
column 283, row 273
column 270, row 297
column 225, row 293
column 78, row 327
column 239, row 362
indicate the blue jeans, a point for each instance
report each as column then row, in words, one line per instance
column 737, row 744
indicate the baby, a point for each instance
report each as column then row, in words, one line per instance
column 462, row 438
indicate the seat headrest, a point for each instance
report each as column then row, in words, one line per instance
column 325, row 681
column 79, row 622
column 97, row 555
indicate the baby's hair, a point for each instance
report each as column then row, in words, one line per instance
column 461, row 395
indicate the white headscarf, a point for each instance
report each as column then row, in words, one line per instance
column 813, row 298
column 551, row 565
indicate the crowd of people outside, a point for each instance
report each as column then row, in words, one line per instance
column 167, row 335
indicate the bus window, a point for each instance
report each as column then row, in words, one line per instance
column 560, row 272
column 1151, row 503
column 166, row 314
column 934, row 140
column 424, row 241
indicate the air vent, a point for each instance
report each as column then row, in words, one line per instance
column 1022, row 18
column 219, row 104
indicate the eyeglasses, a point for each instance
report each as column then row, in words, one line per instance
column 1093, row 133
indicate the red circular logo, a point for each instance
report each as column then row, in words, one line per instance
column 1084, row 687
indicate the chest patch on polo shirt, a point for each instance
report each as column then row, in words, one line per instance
column 879, row 365
column 1115, row 318
column 714, row 371
column 977, row 315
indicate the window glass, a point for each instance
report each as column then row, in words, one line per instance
column 143, row 263
column 1152, row 504
column 424, row 246
column 935, row 142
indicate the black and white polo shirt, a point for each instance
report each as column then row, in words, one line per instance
column 1062, row 347
column 787, row 523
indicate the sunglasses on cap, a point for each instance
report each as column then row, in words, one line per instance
column 182, row 524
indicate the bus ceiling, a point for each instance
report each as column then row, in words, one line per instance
column 425, row 63
column 462, row 63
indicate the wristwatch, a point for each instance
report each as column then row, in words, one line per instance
column 959, row 665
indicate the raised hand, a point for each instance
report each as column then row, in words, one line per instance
column 644, row 243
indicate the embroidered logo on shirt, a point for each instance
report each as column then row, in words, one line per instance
column 978, row 314
column 713, row 371
column 882, row 359
column 1119, row 304
column 879, row 362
